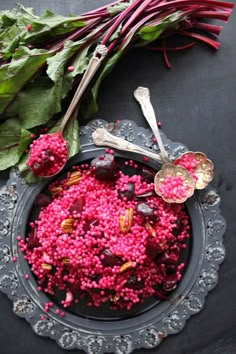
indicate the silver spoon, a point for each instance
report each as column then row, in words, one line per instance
column 142, row 95
column 98, row 55
column 102, row 137
column 168, row 170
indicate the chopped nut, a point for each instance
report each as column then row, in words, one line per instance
column 46, row 266
column 66, row 260
column 74, row 178
column 164, row 245
column 150, row 229
column 126, row 220
column 55, row 191
column 67, row 225
column 115, row 298
column 126, row 266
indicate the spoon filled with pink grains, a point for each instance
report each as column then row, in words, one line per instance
column 48, row 154
column 177, row 180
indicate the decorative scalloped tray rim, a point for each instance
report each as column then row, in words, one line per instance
column 121, row 337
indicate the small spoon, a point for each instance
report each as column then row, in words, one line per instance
column 99, row 54
column 102, row 137
column 173, row 183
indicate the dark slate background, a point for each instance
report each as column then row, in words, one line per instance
column 196, row 103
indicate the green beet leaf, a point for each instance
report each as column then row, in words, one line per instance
column 17, row 73
column 38, row 102
column 13, row 28
column 56, row 64
column 117, row 8
column 71, row 134
column 49, row 25
column 13, row 142
column 80, row 64
column 150, row 33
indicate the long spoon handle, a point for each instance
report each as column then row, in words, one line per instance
column 142, row 95
column 101, row 137
column 95, row 62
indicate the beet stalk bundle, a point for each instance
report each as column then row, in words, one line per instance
column 44, row 57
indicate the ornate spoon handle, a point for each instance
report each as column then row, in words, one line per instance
column 142, row 95
column 98, row 56
column 101, row 137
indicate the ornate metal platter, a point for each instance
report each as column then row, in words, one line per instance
column 122, row 335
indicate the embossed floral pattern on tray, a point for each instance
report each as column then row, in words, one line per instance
column 145, row 330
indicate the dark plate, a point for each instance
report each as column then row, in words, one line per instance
column 101, row 330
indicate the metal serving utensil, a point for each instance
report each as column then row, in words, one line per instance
column 102, row 137
column 98, row 56
column 142, row 95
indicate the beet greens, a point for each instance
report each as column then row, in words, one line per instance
column 43, row 58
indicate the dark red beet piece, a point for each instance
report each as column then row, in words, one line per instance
column 33, row 240
column 128, row 193
column 147, row 174
column 178, row 228
column 146, row 211
column 105, row 167
column 165, row 258
column 170, row 282
column 152, row 249
column 133, row 283
column 89, row 223
column 42, row 200
column 77, row 205
column 109, row 259
column 44, row 164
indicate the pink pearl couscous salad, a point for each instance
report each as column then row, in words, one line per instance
column 106, row 235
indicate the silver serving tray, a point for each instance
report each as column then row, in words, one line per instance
column 123, row 333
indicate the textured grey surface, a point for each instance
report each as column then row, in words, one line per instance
column 196, row 103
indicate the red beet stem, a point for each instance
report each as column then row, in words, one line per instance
column 135, row 15
column 172, row 49
column 166, row 59
column 218, row 15
column 119, row 19
column 95, row 15
column 134, row 29
column 182, row 3
column 207, row 27
column 214, row 44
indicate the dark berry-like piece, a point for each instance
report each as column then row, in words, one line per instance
column 105, row 167
column 146, row 211
column 152, row 249
column 42, row 200
column 147, row 174
column 170, row 282
column 167, row 258
column 178, row 228
column 133, row 283
column 33, row 240
column 77, row 206
column 109, row 259
column 128, row 193
column 90, row 222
